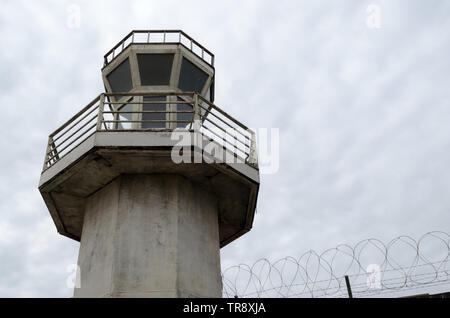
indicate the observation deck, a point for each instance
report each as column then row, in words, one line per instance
column 103, row 141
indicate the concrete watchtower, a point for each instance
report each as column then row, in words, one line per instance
column 151, row 225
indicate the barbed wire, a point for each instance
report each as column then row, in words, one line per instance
column 372, row 267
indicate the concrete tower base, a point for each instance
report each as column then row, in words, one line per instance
column 150, row 236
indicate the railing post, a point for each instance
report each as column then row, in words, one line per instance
column 253, row 158
column 54, row 151
column 47, row 153
column 198, row 139
column 100, row 112
column 197, row 118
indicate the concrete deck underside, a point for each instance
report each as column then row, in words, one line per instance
column 104, row 157
column 150, row 235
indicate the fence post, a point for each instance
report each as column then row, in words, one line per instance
column 100, row 112
column 349, row 288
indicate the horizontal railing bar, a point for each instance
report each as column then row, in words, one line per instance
column 148, row 102
column 118, row 44
column 196, row 43
column 81, row 119
column 204, row 117
column 157, row 31
column 223, row 113
column 227, row 148
column 84, row 125
column 158, row 94
column 149, row 111
column 61, row 150
column 226, row 132
column 176, row 31
column 226, row 142
column 75, row 146
column 244, row 151
column 75, row 116
column 147, row 121
column 138, row 130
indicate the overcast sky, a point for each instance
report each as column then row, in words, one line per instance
column 363, row 114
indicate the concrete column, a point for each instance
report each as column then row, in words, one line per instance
column 150, row 236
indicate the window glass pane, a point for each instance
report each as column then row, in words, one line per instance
column 155, row 69
column 192, row 79
column 154, row 116
column 120, row 78
column 184, row 116
column 124, row 116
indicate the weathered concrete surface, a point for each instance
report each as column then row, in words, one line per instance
column 105, row 156
column 150, row 235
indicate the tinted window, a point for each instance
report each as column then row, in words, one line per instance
column 154, row 116
column 155, row 69
column 185, row 117
column 120, row 78
column 192, row 79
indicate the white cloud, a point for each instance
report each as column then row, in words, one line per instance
column 363, row 117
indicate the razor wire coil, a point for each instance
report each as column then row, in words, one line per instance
column 373, row 268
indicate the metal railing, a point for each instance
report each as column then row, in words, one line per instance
column 71, row 134
column 159, row 36
column 153, row 112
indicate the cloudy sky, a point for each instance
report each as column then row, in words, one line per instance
column 363, row 114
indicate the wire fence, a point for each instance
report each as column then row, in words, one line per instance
column 373, row 268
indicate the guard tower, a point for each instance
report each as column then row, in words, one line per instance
column 148, row 223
